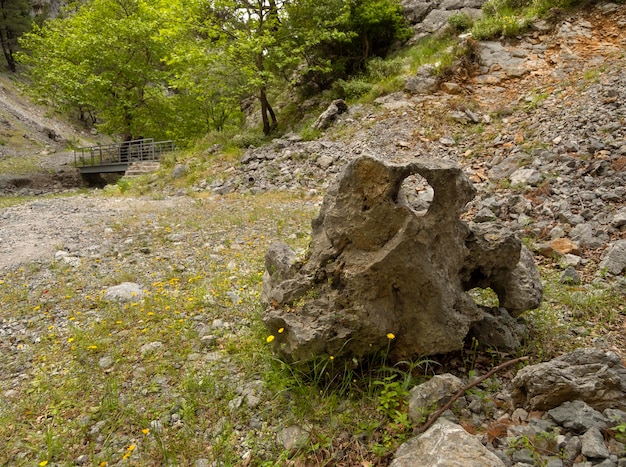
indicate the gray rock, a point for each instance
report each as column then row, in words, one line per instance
column 293, row 437
column 614, row 258
column 125, row 292
column 585, row 235
column 507, row 166
column 498, row 330
column 578, row 417
column 424, row 82
column 570, row 276
column 416, row 11
column 615, row 415
column 484, row 215
column 524, row 456
column 179, row 170
column 572, row 447
column 445, row 444
column 435, row 21
column 336, row 108
column 516, row 281
column 591, row 375
column 593, row 444
column 336, row 304
column 105, row 362
column 496, row 57
column 432, row 394
column 526, row 176
column 150, row 347
column 619, row 218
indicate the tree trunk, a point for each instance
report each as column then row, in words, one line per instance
column 264, row 112
column 5, row 37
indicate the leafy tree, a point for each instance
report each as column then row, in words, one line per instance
column 105, row 59
column 344, row 34
column 249, row 33
column 15, row 19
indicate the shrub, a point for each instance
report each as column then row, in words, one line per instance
column 353, row 88
column 380, row 69
column 461, row 22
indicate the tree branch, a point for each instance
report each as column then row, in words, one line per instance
column 463, row 390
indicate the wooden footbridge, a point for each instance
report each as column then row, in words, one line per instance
column 117, row 157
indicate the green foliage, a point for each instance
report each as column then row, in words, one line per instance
column 354, row 32
column 105, row 60
column 380, row 69
column 353, row 88
column 391, row 399
column 620, row 432
column 460, row 22
column 509, row 18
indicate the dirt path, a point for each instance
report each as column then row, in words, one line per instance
column 36, row 230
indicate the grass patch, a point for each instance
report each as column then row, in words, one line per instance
column 185, row 373
column 20, row 165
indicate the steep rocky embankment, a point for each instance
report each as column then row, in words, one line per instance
column 540, row 130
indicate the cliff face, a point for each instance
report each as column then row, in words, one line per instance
column 47, row 8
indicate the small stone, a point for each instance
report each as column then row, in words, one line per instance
column 124, row 292
column 524, row 456
column 525, row 176
column 150, row 347
column 619, row 219
column 554, row 462
column 571, row 450
column 105, row 362
column 570, row 276
column 179, row 170
column 570, row 260
column 293, row 437
column 484, row 215
column 614, row 258
column 593, row 444
column 519, row 415
column 577, row 416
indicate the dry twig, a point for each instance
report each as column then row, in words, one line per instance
column 463, row 390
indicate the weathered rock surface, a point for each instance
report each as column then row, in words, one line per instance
column 435, row 392
column 445, row 444
column 336, row 108
column 614, row 260
column 591, row 375
column 124, row 292
column 337, row 304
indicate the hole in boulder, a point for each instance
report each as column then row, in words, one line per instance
column 484, row 297
column 416, row 193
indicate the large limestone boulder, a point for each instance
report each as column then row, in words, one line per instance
column 379, row 272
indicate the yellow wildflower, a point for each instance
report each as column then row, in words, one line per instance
column 145, row 431
column 43, row 463
column 281, row 330
column 270, row 338
column 391, row 336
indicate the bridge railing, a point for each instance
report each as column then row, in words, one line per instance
column 122, row 153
